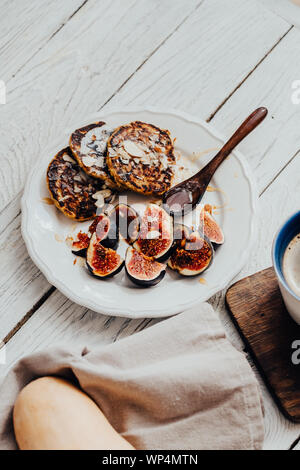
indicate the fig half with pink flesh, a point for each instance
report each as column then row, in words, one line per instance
column 210, row 228
column 156, row 234
column 102, row 262
column 194, row 258
column 80, row 244
column 106, row 231
column 143, row 271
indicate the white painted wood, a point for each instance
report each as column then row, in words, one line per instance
column 273, row 81
column 277, row 140
column 21, row 283
column 26, row 26
column 206, row 59
column 199, row 64
column 30, row 120
column 287, row 9
column 276, row 204
column 60, row 321
column 75, row 73
column 185, row 83
column 34, row 122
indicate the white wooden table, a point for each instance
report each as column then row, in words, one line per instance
column 217, row 59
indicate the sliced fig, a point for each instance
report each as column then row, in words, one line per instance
column 102, row 262
column 156, row 234
column 194, row 258
column 209, row 227
column 127, row 220
column 80, row 245
column 106, row 231
column 93, row 226
column 143, row 271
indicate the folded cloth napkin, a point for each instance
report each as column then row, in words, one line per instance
column 177, row 385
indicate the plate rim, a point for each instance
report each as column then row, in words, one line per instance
column 146, row 313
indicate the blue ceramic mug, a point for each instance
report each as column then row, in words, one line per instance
column 285, row 234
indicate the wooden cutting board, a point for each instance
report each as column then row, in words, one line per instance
column 268, row 331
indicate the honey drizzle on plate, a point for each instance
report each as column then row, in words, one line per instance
column 48, row 201
column 197, row 155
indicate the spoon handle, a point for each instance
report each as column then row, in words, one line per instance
column 248, row 126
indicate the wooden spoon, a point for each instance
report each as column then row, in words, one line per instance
column 185, row 196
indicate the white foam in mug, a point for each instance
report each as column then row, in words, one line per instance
column 291, row 265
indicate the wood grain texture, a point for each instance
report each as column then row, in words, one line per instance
column 206, row 59
column 26, row 26
column 287, row 9
column 258, row 311
column 47, row 91
column 35, row 112
column 277, row 141
column 21, row 283
column 276, row 204
column 60, row 321
column 267, row 83
column 296, row 445
column 68, row 77
column 73, row 76
column 195, row 187
column 75, row 73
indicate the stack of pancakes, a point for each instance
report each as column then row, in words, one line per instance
column 137, row 156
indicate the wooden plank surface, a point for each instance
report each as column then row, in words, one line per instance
column 74, row 73
column 44, row 97
column 287, row 9
column 198, row 67
column 276, row 204
column 30, row 111
column 26, row 26
column 60, row 321
column 256, row 306
column 296, row 445
column 47, row 120
column 275, row 143
column 21, row 283
column 268, row 82
column 164, row 55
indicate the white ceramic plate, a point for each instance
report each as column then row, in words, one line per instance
column 45, row 229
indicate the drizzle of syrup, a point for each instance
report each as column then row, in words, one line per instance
column 211, row 189
column 197, row 155
column 48, row 201
column 69, row 241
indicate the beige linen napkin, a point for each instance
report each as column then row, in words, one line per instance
column 177, row 385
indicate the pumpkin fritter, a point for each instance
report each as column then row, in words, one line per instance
column 89, row 147
column 141, row 157
column 70, row 188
